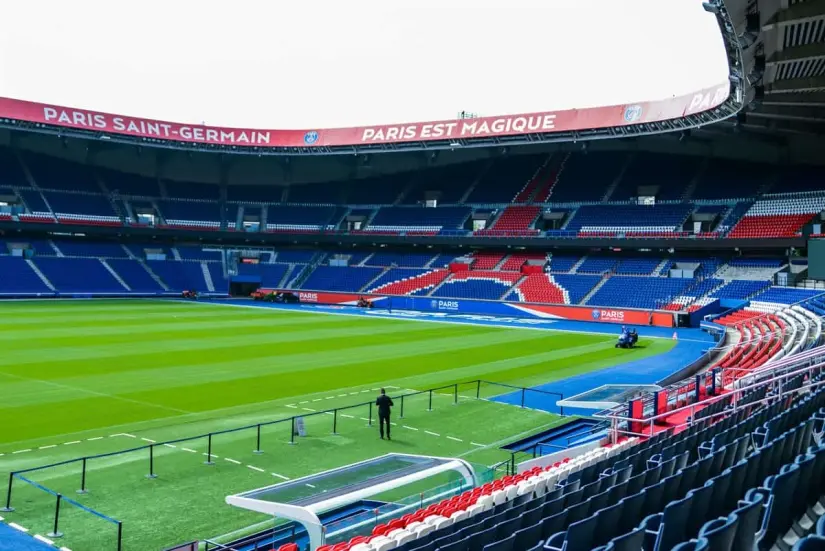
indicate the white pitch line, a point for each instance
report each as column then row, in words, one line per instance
column 304, row 402
column 353, row 393
column 95, row 438
column 47, row 447
column 65, row 549
column 170, row 445
column 317, row 399
column 329, row 398
column 347, row 416
column 124, row 434
column 411, row 428
column 43, row 539
column 456, row 439
column 280, row 476
column 18, row 527
column 479, row 445
column 22, row 451
column 432, row 433
column 310, row 485
column 293, row 406
column 233, row 461
column 148, row 440
column 189, row 450
column 342, row 395
column 72, row 442
column 364, row 419
column 260, row 470
column 329, row 413
column 213, row 455
column 309, row 409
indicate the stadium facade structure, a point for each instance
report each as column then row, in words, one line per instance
column 724, row 460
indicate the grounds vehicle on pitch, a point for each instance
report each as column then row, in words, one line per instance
column 627, row 339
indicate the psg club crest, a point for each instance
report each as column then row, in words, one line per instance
column 632, row 113
column 596, row 314
column 311, row 137
column 434, row 304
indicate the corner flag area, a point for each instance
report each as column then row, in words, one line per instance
column 139, row 418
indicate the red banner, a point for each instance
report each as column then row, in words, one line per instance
column 602, row 315
column 458, row 129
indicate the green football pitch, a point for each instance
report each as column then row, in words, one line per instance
column 84, row 378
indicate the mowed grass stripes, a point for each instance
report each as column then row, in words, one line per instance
column 78, row 378
column 76, row 366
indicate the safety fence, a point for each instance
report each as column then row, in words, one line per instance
column 470, row 390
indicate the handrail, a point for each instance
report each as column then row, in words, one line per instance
column 714, row 399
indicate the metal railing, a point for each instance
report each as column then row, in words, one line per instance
column 469, row 389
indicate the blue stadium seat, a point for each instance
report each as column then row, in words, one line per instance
column 79, row 275
column 19, row 278
column 332, row 278
column 577, row 286
column 586, row 177
column 179, row 275
column 638, row 292
column 84, row 248
column 786, row 295
column 295, row 256
column 192, row 190
column 597, row 265
column 300, row 218
column 563, row 264
column 636, row 219
column 418, row 219
column 135, row 275
column 740, row 289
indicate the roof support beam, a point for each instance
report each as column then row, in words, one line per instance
column 798, row 85
column 797, row 13
column 811, row 99
column 798, row 53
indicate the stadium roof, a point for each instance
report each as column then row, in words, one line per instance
column 784, row 63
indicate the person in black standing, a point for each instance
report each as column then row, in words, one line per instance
column 384, row 404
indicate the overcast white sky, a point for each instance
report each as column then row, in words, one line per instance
column 328, row 63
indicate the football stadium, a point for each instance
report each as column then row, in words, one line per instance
column 594, row 324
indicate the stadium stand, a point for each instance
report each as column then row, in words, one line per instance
column 191, row 214
column 299, row 218
column 407, row 281
column 514, row 221
column 778, row 216
column 539, row 288
column 502, row 181
column 486, row 261
column 563, row 264
column 514, row 262
column 478, row 284
column 135, row 275
column 586, row 177
column 80, row 275
column 421, row 221
column 667, row 176
column 633, row 220
column 333, row 278
column 638, row 292
column 20, row 276
column 741, row 481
